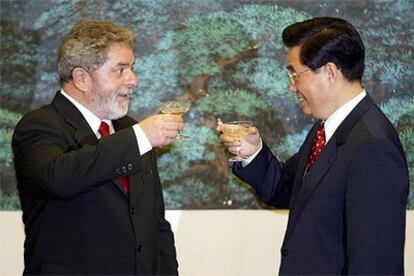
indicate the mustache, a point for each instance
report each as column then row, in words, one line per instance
column 127, row 91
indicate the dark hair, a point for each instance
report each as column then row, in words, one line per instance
column 328, row 39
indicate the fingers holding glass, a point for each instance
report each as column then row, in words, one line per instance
column 178, row 107
column 233, row 133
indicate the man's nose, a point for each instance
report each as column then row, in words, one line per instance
column 292, row 87
column 132, row 79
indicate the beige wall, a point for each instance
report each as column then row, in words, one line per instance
column 209, row 243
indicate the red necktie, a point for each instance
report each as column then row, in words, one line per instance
column 318, row 145
column 104, row 131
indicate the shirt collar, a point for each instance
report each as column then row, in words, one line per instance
column 336, row 118
column 93, row 121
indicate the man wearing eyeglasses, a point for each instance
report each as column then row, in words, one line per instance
column 347, row 185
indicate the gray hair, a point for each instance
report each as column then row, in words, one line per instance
column 87, row 44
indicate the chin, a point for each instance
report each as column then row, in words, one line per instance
column 117, row 114
column 306, row 110
column 120, row 115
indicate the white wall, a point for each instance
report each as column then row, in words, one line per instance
column 209, row 243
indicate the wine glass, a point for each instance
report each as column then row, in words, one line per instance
column 177, row 107
column 236, row 130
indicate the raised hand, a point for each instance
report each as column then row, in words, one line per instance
column 244, row 147
column 161, row 129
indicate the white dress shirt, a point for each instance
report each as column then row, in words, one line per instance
column 94, row 122
column 331, row 124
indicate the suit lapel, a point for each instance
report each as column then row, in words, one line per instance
column 297, row 184
column 304, row 187
column 117, row 182
column 83, row 132
column 312, row 180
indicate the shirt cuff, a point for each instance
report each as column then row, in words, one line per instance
column 251, row 157
column 144, row 144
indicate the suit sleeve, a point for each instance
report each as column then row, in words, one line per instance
column 376, row 197
column 50, row 162
column 271, row 179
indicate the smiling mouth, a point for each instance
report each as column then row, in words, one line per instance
column 300, row 98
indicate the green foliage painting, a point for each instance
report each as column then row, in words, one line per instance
column 226, row 57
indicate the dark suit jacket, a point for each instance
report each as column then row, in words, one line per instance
column 77, row 219
column 347, row 216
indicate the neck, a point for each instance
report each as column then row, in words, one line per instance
column 340, row 95
column 349, row 91
column 346, row 91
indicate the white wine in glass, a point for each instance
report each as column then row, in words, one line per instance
column 236, row 130
column 178, row 107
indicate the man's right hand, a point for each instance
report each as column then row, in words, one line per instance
column 246, row 147
column 161, row 129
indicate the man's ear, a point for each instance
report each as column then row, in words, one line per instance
column 332, row 71
column 81, row 79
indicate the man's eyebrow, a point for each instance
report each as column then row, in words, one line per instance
column 122, row 64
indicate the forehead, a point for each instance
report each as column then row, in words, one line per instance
column 119, row 53
column 293, row 61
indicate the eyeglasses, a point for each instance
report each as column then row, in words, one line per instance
column 293, row 76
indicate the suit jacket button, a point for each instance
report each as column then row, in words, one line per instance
column 130, row 166
column 118, row 171
column 124, row 169
column 138, row 247
column 284, row 252
column 132, row 211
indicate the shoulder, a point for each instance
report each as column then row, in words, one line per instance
column 39, row 116
column 40, row 123
column 374, row 127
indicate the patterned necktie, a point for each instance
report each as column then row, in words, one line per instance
column 318, row 145
column 104, row 131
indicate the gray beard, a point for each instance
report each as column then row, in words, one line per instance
column 109, row 106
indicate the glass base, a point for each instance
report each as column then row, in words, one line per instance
column 181, row 137
column 237, row 158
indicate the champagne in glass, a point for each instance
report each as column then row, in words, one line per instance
column 236, row 130
column 178, row 107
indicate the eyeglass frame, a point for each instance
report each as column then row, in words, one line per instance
column 292, row 76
